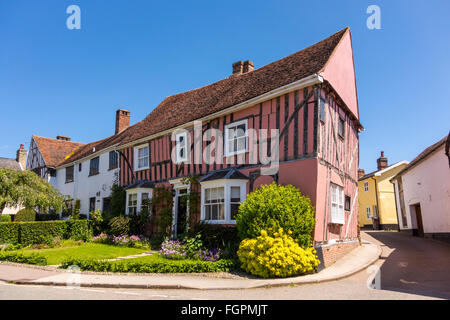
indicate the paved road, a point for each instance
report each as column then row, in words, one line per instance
column 411, row 268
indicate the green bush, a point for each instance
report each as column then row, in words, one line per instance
column 5, row 218
column 123, row 266
column 22, row 258
column 79, row 230
column 38, row 232
column 26, row 214
column 119, row 225
column 272, row 207
column 9, row 232
column 42, row 231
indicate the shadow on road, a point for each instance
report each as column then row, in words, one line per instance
column 414, row 265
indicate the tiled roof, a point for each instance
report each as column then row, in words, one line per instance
column 371, row 174
column 88, row 149
column 54, row 151
column 228, row 173
column 425, row 153
column 6, row 163
column 191, row 105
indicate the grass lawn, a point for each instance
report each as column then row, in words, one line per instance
column 88, row 250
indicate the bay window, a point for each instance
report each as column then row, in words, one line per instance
column 132, row 204
column 220, row 200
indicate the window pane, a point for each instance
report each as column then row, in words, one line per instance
column 235, row 194
column 207, row 195
column 240, row 144
column 214, row 194
column 214, row 212
column 221, row 208
column 220, row 194
column 231, row 146
column 207, row 212
column 234, row 208
column 240, row 131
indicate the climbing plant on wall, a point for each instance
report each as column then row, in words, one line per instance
column 191, row 200
column 161, row 207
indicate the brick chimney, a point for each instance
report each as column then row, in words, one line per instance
column 361, row 173
column 64, row 138
column 122, row 120
column 238, row 67
column 248, row 66
column 21, row 157
column 382, row 162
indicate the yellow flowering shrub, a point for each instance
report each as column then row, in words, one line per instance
column 276, row 256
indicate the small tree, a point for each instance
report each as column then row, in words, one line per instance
column 25, row 188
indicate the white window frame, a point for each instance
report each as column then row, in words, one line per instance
column 136, row 157
column 366, row 186
column 226, row 184
column 338, row 214
column 178, row 147
column 227, row 138
column 132, row 194
column 368, row 214
column 138, row 192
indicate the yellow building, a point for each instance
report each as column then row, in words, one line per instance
column 376, row 197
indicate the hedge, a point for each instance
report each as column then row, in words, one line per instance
column 27, row 233
column 22, row 258
column 123, row 266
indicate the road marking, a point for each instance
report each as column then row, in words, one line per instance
column 129, row 293
column 92, row 290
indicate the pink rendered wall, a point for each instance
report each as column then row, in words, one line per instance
column 340, row 72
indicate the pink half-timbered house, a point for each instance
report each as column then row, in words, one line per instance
column 309, row 96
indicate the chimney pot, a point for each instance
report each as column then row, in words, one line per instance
column 361, row 173
column 64, row 138
column 238, row 67
column 248, row 66
column 382, row 162
column 21, row 157
column 122, row 120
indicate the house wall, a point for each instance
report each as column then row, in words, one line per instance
column 386, row 197
column 428, row 183
column 84, row 186
column 311, row 154
column 366, row 199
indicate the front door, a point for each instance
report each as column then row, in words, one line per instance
column 107, row 205
column 419, row 220
column 181, row 212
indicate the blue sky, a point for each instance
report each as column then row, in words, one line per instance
column 132, row 54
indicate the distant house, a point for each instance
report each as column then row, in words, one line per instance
column 19, row 164
column 376, row 196
column 46, row 153
column 422, row 192
column 84, row 172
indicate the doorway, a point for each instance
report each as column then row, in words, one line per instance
column 418, row 213
column 181, row 208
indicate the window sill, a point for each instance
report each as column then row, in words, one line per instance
column 219, row 221
column 141, row 169
column 67, row 182
column 113, row 168
column 235, row 153
column 94, row 174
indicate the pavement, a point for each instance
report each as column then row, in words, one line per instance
column 357, row 260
